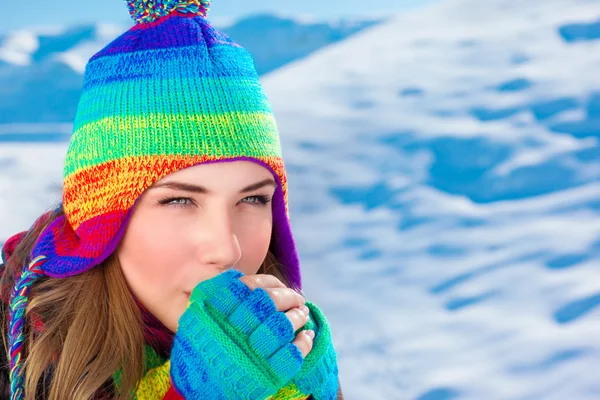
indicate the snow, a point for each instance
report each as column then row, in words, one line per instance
column 444, row 173
column 447, row 222
column 17, row 48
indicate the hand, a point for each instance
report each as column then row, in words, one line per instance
column 288, row 301
column 319, row 373
column 233, row 342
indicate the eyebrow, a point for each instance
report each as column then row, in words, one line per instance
column 188, row 187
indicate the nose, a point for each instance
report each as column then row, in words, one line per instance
column 220, row 247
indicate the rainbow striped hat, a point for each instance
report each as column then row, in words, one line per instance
column 169, row 93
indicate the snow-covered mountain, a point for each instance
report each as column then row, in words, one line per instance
column 41, row 70
column 445, row 191
column 275, row 41
column 41, row 74
column 444, row 175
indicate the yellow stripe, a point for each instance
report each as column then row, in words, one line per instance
column 251, row 134
column 155, row 384
column 290, row 392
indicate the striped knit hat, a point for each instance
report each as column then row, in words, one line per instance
column 169, row 93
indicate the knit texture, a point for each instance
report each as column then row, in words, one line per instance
column 215, row 353
column 157, row 383
column 16, row 318
column 319, row 373
column 149, row 11
column 317, row 376
column 214, row 356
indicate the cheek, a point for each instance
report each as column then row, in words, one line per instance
column 154, row 263
column 151, row 255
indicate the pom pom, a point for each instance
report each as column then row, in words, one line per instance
column 143, row 11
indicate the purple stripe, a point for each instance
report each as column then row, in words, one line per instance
column 174, row 31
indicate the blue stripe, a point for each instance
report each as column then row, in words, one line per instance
column 182, row 62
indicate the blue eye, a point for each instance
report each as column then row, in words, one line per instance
column 258, row 200
column 176, row 201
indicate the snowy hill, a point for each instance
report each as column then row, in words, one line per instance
column 445, row 184
column 41, row 70
column 445, row 181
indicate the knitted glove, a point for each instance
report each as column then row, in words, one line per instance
column 319, row 373
column 232, row 343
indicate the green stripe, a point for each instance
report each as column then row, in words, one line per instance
column 220, row 135
column 195, row 95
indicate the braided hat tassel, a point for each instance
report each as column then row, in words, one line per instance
column 16, row 336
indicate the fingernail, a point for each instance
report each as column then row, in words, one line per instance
column 305, row 310
column 310, row 334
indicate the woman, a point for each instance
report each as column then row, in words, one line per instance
column 169, row 269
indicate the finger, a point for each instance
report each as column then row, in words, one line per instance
column 298, row 317
column 262, row 280
column 304, row 342
column 285, row 299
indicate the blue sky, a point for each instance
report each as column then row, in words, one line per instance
column 17, row 15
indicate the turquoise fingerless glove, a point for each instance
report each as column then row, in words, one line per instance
column 319, row 373
column 232, row 343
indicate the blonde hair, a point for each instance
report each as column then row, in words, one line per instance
column 75, row 356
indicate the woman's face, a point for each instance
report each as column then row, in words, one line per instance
column 191, row 226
